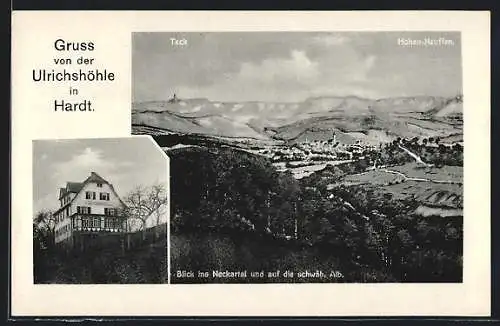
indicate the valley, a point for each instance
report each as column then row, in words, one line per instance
column 374, row 187
column 301, row 137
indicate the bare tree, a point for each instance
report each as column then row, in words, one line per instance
column 158, row 199
column 145, row 203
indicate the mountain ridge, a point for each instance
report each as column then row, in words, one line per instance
column 362, row 119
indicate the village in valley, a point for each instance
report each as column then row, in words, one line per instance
column 306, row 157
column 315, row 168
column 308, row 144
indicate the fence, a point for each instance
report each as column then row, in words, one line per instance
column 95, row 241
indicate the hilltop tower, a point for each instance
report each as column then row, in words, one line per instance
column 174, row 99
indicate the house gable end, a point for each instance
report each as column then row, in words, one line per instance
column 97, row 205
column 91, row 184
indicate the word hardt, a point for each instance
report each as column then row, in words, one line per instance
column 64, row 106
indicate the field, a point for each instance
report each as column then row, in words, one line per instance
column 375, row 177
column 445, row 173
column 432, row 186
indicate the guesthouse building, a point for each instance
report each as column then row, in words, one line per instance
column 88, row 209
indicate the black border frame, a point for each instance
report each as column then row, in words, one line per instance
column 228, row 5
column 107, row 5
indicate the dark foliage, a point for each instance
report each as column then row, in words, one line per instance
column 221, row 196
column 138, row 257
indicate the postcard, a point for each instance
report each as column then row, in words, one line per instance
column 250, row 163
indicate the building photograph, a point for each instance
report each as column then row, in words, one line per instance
column 91, row 206
column 100, row 211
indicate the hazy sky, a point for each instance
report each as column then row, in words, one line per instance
column 124, row 162
column 291, row 66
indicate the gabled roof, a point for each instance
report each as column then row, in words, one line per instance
column 71, row 187
column 76, row 187
column 94, row 177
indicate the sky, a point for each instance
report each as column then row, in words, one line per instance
column 292, row 66
column 124, row 162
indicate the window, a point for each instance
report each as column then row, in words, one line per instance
column 89, row 195
column 83, row 210
column 99, row 185
column 109, row 211
column 112, row 223
column 91, row 222
column 96, row 222
column 109, row 222
column 104, row 196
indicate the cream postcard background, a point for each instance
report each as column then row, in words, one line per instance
column 33, row 117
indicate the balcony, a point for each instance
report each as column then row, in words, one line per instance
column 97, row 223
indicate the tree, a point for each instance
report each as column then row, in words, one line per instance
column 158, row 200
column 44, row 224
column 143, row 204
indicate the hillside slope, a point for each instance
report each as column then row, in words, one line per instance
column 352, row 118
column 145, row 264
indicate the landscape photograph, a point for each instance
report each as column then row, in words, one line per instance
column 307, row 157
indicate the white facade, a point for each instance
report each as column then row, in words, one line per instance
column 97, row 205
column 90, row 206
